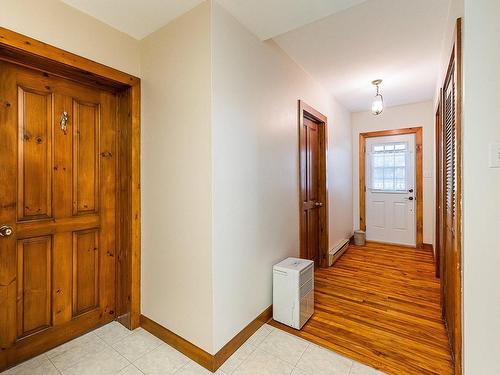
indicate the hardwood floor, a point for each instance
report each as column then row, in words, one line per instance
column 379, row 304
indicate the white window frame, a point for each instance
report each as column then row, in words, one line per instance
column 370, row 155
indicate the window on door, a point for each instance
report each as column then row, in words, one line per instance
column 388, row 166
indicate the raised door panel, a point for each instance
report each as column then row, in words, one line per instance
column 34, row 271
column 312, row 161
column 400, row 216
column 35, row 120
column 86, row 118
column 85, row 271
column 378, row 210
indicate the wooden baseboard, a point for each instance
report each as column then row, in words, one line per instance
column 209, row 361
column 238, row 340
column 175, row 341
column 428, row 246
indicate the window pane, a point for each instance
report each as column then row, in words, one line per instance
column 389, row 160
column 401, row 146
column 378, row 173
column 400, row 184
column 378, row 160
column 388, row 173
column 388, row 184
column 399, row 160
column 400, row 173
column 389, row 166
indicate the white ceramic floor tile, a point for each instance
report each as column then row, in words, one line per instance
column 73, row 351
column 137, row 344
column 298, row 371
column 112, row 332
column 40, row 365
column 360, row 369
column 106, row 362
column 260, row 335
column 263, row 363
column 284, row 346
column 192, row 368
column 130, row 370
column 237, row 358
column 319, row 361
column 162, row 360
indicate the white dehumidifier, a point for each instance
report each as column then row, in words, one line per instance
column 293, row 291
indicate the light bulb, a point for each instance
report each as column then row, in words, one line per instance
column 378, row 105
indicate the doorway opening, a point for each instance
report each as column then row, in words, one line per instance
column 313, row 185
column 390, row 186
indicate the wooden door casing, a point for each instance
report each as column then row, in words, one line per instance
column 313, row 199
column 450, row 204
column 58, row 192
column 418, row 131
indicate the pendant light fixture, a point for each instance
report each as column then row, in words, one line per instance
column 378, row 102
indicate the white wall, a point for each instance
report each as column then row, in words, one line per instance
column 404, row 116
column 455, row 10
column 176, row 177
column 60, row 25
column 340, row 174
column 481, row 188
column 255, row 164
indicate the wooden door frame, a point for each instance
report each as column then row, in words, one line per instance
column 306, row 111
column 418, row 169
column 31, row 53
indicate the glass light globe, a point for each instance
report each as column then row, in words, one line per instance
column 378, row 105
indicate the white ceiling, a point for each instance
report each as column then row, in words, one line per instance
column 269, row 18
column 343, row 44
column 398, row 41
column 137, row 18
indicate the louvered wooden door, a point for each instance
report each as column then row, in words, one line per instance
column 57, row 193
column 450, row 215
column 450, row 204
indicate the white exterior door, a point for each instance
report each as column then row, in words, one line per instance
column 390, row 189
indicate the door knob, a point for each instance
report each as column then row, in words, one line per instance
column 410, row 191
column 318, row 204
column 5, row 231
column 411, row 198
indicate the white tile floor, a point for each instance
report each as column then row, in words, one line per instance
column 113, row 349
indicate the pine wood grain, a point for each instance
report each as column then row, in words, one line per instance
column 380, row 305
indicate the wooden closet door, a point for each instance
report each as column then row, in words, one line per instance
column 57, row 194
column 451, row 205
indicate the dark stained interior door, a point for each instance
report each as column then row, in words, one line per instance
column 57, row 199
column 310, row 190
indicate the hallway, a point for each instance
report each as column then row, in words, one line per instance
column 379, row 304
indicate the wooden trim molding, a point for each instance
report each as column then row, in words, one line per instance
column 31, row 53
column 306, row 111
column 39, row 55
column 210, row 361
column 190, row 350
column 419, row 175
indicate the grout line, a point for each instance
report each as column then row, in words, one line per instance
column 307, row 347
column 52, row 363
